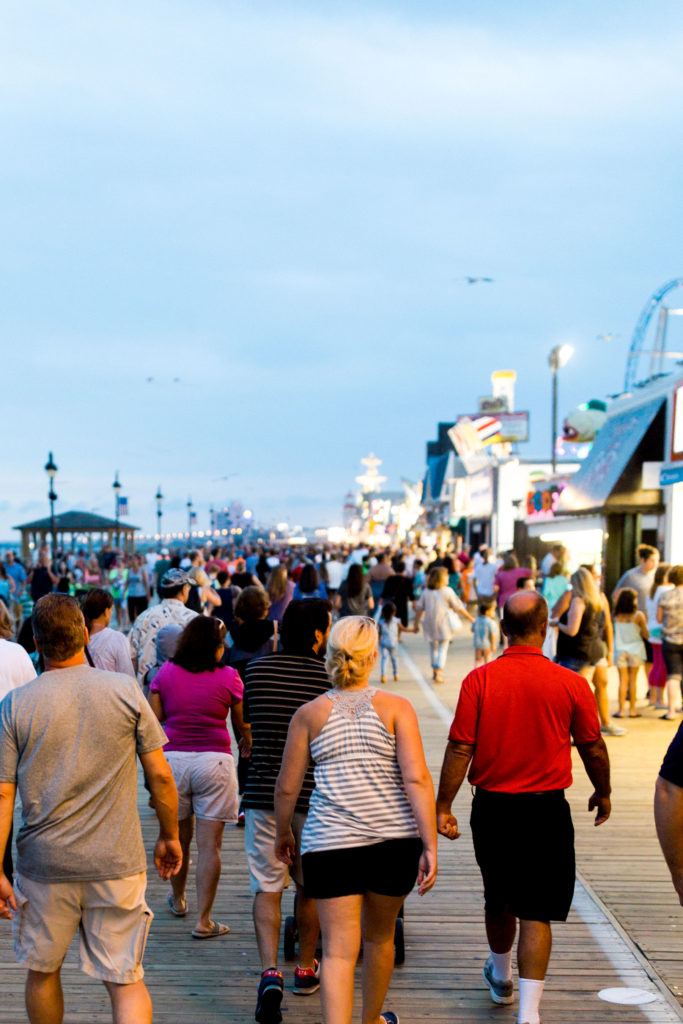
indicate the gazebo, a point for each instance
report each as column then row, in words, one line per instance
column 76, row 525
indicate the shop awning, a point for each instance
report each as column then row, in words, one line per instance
column 614, row 446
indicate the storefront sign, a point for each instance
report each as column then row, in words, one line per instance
column 677, row 432
column 514, row 426
column 542, row 503
column 670, row 475
column 493, row 404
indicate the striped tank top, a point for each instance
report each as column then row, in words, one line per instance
column 359, row 797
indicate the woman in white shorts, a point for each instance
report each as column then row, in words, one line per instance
column 192, row 694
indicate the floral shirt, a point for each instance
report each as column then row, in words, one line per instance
column 672, row 623
column 142, row 637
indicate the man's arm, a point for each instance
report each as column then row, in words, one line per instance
column 8, row 792
column 596, row 762
column 453, row 771
column 669, row 823
column 168, row 856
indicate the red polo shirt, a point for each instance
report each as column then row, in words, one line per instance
column 519, row 713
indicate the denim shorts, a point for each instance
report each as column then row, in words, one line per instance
column 574, row 664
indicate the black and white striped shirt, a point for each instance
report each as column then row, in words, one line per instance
column 276, row 686
column 359, row 797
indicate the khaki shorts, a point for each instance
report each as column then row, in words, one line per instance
column 111, row 916
column 266, row 872
column 206, row 781
column 626, row 660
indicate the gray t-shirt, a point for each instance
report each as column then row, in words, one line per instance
column 69, row 739
column 639, row 581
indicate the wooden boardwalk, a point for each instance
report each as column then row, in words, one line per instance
column 629, row 935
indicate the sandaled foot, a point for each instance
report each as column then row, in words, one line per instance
column 214, row 932
column 177, row 907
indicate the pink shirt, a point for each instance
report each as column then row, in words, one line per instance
column 196, row 706
column 506, row 579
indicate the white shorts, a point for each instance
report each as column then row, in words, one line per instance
column 111, row 916
column 206, row 781
column 266, row 872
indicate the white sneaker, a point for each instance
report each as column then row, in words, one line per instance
column 612, row 730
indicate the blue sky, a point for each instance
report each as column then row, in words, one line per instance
column 277, row 203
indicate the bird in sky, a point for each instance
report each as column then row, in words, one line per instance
column 609, row 336
column 149, row 380
column 477, row 280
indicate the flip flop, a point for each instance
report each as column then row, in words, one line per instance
column 170, row 899
column 636, row 715
column 215, row 933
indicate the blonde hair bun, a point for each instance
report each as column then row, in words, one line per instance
column 351, row 650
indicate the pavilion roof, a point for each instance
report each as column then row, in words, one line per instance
column 77, row 522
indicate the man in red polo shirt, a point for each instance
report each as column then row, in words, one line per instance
column 514, row 722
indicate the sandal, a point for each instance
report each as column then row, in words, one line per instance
column 170, row 899
column 215, row 932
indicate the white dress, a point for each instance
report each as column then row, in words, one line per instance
column 436, row 604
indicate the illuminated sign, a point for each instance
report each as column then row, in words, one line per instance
column 542, row 503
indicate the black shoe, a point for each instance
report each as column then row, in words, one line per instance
column 269, row 998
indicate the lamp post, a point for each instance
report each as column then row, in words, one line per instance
column 559, row 356
column 117, row 491
column 158, row 497
column 189, row 516
column 51, row 470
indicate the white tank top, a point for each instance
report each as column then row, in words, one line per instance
column 359, row 797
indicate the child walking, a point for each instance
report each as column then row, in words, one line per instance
column 630, row 629
column 390, row 628
column 486, row 634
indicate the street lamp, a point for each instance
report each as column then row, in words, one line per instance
column 559, row 356
column 51, row 469
column 117, row 492
column 158, row 497
column 189, row 516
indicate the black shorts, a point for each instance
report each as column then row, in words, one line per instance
column 648, row 651
column 673, row 658
column 388, row 869
column 524, row 845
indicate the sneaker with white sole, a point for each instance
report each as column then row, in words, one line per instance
column 307, row 979
column 270, row 990
column 501, row 991
column 612, row 730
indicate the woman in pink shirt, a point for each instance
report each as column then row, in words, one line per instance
column 192, row 694
column 505, row 581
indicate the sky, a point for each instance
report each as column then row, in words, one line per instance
column 270, row 209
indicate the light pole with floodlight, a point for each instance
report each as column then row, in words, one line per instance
column 559, row 356
column 51, row 470
column 189, row 516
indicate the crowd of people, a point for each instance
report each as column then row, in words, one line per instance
column 242, row 682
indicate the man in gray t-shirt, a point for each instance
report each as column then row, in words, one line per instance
column 641, row 577
column 69, row 742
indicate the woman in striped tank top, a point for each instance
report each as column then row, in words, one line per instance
column 371, row 828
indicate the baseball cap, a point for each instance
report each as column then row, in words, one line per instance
column 175, row 578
